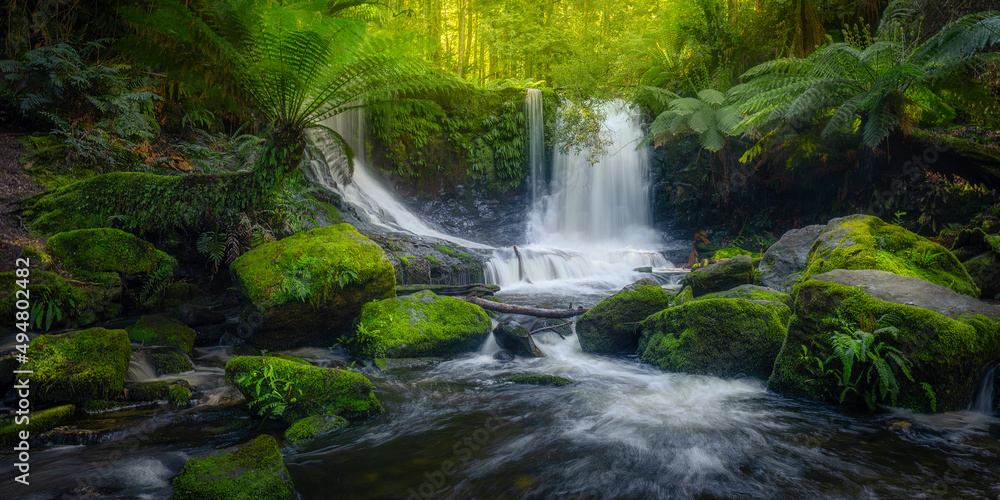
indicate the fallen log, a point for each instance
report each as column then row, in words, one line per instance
column 526, row 310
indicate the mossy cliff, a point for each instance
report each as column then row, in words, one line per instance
column 251, row 471
column 866, row 242
column 610, row 326
column 422, row 324
column 946, row 353
column 323, row 390
column 721, row 337
column 78, row 366
column 307, row 288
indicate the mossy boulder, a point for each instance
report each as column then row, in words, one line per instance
column 512, row 336
column 948, row 337
column 308, row 429
column 721, row 337
column 418, row 325
column 323, row 390
column 101, row 255
column 251, row 471
column 783, row 262
column 178, row 395
column 751, row 292
column 530, row 379
column 866, row 242
column 162, row 330
column 166, row 362
column 722, row 275
column 307, row 288
column 78, row 366
column 38, row 422
column 147, row 391
column 610, row 326
column 61, row 303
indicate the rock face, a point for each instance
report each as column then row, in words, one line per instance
column 785, row 261
column 307, row 288
column 78, row 366
column 253, row 470
column 323, row 390
column 949, row 338
column 722, row 275
column 721, row 337
column 513, row 337
column 418, row 325
column 162, row 330
column 866, row 242
column 100, row 255
column 610, row 326
column 430, row 262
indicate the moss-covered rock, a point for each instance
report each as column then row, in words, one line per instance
column 783, row 262
column 166, row 362
column 550, row 380
column 37, row 423
column 147, row 391
column 721, row 337
column 512, row 336
column 307, row 288
column 60, row 303
column 610, row 326
column 683, row 296
column 866, row 242
column 78, row 366
column 308, row 429
column 979, row 252
column 100, row 255
column 751, row 292
column 422, row 324
column 948, row 353
column 178, row 395
column 323, row 390
column 722, row 275
column 251, row 471
column 162, row 330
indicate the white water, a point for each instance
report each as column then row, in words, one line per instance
column 591, row 227
column 983, row 401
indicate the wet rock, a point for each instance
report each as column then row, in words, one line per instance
column 79, row 366
column 38, row 422
column 162, row 330
column 550, row 380
column 419, row 261
column 504, row 355
column 644, row 269
column 610, row 326
column 722, row 275
column 513, row 337
column 307, row 289
column 194, row 316
column 168, row 361
column 307, row 430
column 147, row 391
column 251, row 470
column 784, row 262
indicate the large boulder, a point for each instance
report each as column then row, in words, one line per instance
column 721, row 337
column 513, row 337
column 162, row 330
column 418, row 325
column 949, row 338
column 78, row 366
column 104, row 255
column 251, row 471
column 722, row 275
column 784, row 262
column 318, row 391
column 610, row 326
column 307, row 288
column 866, row 242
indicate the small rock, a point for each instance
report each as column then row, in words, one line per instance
column 503, row 355
column 510, row 335
column 644, row 269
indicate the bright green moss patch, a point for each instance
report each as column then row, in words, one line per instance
column 95, row 254
column 147, row 391
column 179, row 395
column 866, row 242
column 751, row 292
column 323, row 390
column 38, row 422
column 550, row 380
column 722, row 275
column 79, row 366
column 162, row 330
column 167, row 362
column 610, row 326
column 729, row 252
column 721, row 337
column 252, row 471
column 306, row 430
column 422, row 324
column 286, row 357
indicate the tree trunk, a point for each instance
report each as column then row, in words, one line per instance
column 526, row 310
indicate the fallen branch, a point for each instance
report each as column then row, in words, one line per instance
column 526, row 310
column 553, row 327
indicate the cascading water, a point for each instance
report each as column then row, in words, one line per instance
column 985, row 400
column 593, row 223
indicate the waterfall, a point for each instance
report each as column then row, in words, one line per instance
column 593, row 223
column 373, row 201
column 985, row 400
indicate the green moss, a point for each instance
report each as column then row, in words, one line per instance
column 551, row 380
column 162, row 330
column 751, row 292
column 79, row 366
column 684, row 296
column 252, row 471
column 148, row 391
column 422, row 324
column 165, row 363
column 431, row 259
column 722, row 275
column 306, row 430
column 286, row 357
column 866, row 242
column 721, row 337
column 38, row 259
column 729, row 252
column 610, row 326
column 99, row 254
column 948, row 354
column 454, row 252
column 61, row 302
column 179, row 395
column 324, row 390
column 38, row 422
column 181, row 292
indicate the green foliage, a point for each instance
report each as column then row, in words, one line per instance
column 269, row 394
column 706, row 116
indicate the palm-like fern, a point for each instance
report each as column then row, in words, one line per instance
column 874, row 90
column 291, row 62
column 704, row 115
